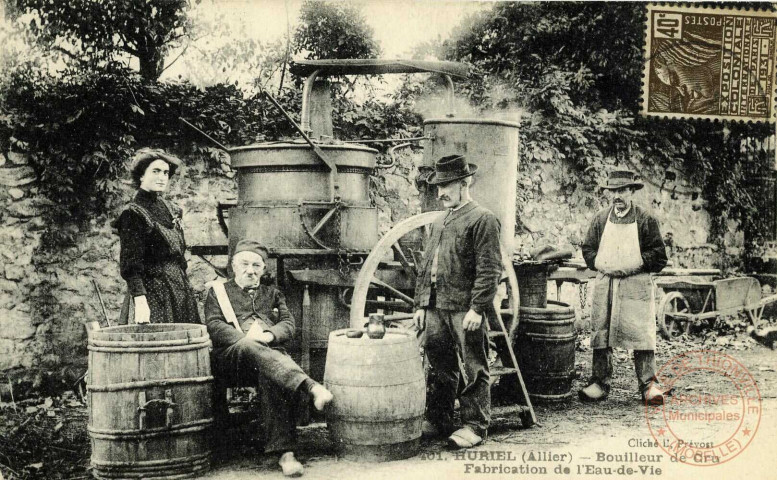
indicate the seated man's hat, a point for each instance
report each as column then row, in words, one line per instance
column 451, row 168
column 251, row 246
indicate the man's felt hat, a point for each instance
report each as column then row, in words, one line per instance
column 451, row 168
column 251, row 246
column 145, row 156
column 621, row 179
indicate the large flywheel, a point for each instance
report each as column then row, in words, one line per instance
column 394, row 241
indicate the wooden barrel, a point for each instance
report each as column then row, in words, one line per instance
column 532, row 284
column 149, row 396
column 545, row 347
column 379, row 395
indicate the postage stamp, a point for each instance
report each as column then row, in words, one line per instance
column 709, row 63
column 711, row 426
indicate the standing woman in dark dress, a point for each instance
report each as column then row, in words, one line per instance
column 152, row 247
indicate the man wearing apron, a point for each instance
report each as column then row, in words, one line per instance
column 624, row 245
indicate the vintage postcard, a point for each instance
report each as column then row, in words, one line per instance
column 709, row 63
column 387, row 240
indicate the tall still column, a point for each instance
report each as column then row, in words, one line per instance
column 490, row 144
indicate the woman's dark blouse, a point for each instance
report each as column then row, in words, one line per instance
column 141, row 245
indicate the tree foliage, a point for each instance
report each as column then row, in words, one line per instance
column 81, row 129
column 89, row 31
column 333, row 30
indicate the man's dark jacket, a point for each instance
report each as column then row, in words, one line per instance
column 651, row 245
column 223, row 333
column 469, row 263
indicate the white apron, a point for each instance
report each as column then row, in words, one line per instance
column 622, row 309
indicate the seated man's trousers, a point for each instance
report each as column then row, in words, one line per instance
column 251, row 363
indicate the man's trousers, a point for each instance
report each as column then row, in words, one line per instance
column 278, row 377
column 458, row 363
column 644, row 365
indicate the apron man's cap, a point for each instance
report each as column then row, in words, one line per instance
column 451, row 168
column 621, row 179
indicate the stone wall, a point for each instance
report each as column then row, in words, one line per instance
column 47, row 295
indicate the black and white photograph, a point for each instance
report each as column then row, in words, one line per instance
column 387, row 239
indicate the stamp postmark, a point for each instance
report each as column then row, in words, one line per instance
column 710, row 427
column 709, row 63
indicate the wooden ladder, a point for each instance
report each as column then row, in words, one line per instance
column 503, row 340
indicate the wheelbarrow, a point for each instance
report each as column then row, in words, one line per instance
column 695, row 302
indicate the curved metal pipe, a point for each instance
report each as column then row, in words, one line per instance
column 305, row 114
column 391, row 155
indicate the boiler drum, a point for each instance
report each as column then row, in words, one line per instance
column 284, row 191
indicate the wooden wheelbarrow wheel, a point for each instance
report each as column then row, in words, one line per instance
column 669, row 325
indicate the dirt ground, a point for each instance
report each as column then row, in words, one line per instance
column 46, row 438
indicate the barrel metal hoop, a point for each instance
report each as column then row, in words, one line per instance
column 549, row 323
column 351, row 419
column 413, row 382
column 176, row 348
column 179, row 429
column 568, row 375
column 115, row 387
column 167, row 474
column 169, row 462
column 550, row 338
column 303, row 168
column 163, row 472
column 151, row 343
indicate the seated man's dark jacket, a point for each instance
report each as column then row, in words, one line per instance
column 651, row 245
column 223, row 333
column 469, row 263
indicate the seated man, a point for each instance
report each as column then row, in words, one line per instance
column 246, row 349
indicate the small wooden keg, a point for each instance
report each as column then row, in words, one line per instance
column 149, row 396
column 379, row 395
column 545, row 347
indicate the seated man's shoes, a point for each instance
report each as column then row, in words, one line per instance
column 652, row 395
column 432, row 430
column 593, row 393
column 290, row 465
column 464, row 437
column 321, row 396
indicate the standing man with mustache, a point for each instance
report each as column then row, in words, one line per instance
column 456, row 284
column 625, row 246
